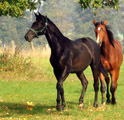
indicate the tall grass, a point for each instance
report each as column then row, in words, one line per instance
column 40, row 52
column 13, row 63
column 23, row 64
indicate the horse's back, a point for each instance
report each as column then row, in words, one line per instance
column 95, row 49
column 91, row 44
column 92, row 47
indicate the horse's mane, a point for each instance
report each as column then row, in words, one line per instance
column 61, row 38
column 109, row 32
column 56, row 29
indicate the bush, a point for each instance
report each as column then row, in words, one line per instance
column 14, row 63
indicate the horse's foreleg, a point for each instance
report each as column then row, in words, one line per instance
column 60, row 90
column 84, row 83
column 114, row 76
column 102, row 87
column 107, row 94
column 58, row 97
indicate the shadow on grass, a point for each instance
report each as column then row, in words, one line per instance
column 10, row 109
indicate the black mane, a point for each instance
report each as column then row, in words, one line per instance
column 109, row 32
column 57, row 32
column 62, row 40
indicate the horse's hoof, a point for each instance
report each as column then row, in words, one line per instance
column 103, row 103
column 95, row 105
column 58, row 107
column 108, row 101
column 113, row 102
column 62, row 107
column 81, row 106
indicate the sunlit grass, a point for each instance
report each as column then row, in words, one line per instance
column 14, row 96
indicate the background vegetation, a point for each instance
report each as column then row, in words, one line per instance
column 71, row 19
column 16, row 8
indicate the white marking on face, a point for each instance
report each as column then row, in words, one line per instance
column 97, row 40
column 99, row 28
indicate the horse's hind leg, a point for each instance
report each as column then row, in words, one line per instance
column 96, row 84
column 114, row 76
column 84, row 83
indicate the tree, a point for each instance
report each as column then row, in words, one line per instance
column 99, row 3
column 16, row 8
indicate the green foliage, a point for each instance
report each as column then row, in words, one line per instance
column 16, row 8
column 99, row 3
column 85, row 3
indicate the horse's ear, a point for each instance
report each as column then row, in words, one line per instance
column 94, row 22
column 105, row 21
column 36, row 15
column 40, row 14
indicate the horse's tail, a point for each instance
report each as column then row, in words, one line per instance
column 103, row 71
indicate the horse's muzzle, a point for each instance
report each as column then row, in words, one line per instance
column 26, row 37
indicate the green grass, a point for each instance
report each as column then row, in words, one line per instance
column 40, row 89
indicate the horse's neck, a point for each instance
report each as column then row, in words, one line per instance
column 55, row 38
column 105, row 45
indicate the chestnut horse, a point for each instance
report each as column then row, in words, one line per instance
column 68, row 56
column 111, row 57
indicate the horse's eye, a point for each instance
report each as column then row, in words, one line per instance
column 102, row 30
column 36, row 24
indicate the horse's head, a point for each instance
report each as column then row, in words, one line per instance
column 100, row 30
column 38, row 27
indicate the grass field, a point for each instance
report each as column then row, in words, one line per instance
column 32, row 96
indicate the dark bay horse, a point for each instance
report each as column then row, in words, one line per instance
column 68, row 56
column 111, row 56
